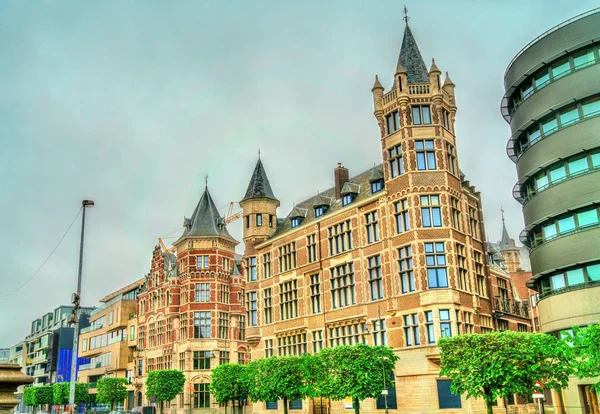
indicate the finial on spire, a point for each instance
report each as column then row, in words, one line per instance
column 406, row 18
column 206, row 181
column 502, row 212
column 259, row 153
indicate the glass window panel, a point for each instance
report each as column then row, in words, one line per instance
column 575, row 277
column 541, row 78
column 439, row 247
column 558, row 174
column 591, row 107
column 569, row 115
column 419, row 145
column 595, row 160
column 431, row 160
column 549, row 125
column 444, row 315
column 583, row 58
column 416, row 113
column 441, row 260
column 558, row 281
column 421, row 161
column 425, row 216
column 526, row 89
column 429, row 144
column 534, row 135
column 561, row 68
column 424, row 200
column 428, row 247
column 541, row 180
column 578, row 165
column 426, row 115
column 587, row 218
column 566, row 224
column 593, row 272
column 550, row 231
column 396, row 120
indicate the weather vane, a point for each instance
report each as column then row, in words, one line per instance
column 206, row 180
column 406, row 18
column 502, row 211
column 259, row 154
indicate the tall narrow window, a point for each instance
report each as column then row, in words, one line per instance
column 287, row 257
column 315, row 293
column 451, row 158
column 405, row 263
column 251, row 266
column 392, row 122
column 223, row 325
column 288, row 299
column 271, row 220
column 311, row 246
column 474, row 223
column 402, row 218
column 425, row 155
column 266, row 265
column 241, row 328
column 395, row 160
column 259, row 220
column 340, row 238
column 202, row 292
column 429, row 327
column 375, row 280
column 268, row 348
column 224, row 293
column 445, row 327
column 435, row 260
column 268, row 305
column 412, row 335
column 252, row 309
column 202, row 262
column 223, row 357
column 201, row 324
column 379, row 333
column 201, row 396
column 446, row 119
column 421, row 115
column 455, row 208
column 317, row 337
column 478, row 258
column 202, row 359
column 372, row 226
column 461, row 263
column 431, row 215
column 343, row 291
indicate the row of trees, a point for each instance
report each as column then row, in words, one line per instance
column 111, row 391
column 501, row 364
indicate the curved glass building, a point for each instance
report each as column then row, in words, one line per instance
column 552, row 103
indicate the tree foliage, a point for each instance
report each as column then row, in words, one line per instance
column 229, row 382
column 164, row 385
column 358, row 371
column 60, row 392
column 34, row 396
column 28, row 396
column 500, row 364
column 586, row 352
column 275, row 378
column 111, row 391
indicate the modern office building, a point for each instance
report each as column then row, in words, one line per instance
column 552, row 103
column 4, row 355
column 109, row 341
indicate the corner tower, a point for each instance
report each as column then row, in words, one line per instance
column 259, row 207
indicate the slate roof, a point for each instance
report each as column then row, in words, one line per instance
column 259, row 186
column 506, row 242
column 350, row 188
column 359, row 182
column 206, row 220
column 410, row 58
column 376, row 175
column 320, row 201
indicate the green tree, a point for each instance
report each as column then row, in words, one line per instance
column 275, row 378
column 44, row 395
column 500, row 364
column 357, row 371
column 111, row 391
column 29, row 398
column 229, row 382
column 60, row 391
column 586, row 352
column 164, row 385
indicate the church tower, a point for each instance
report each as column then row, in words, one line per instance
column 259, row 207
column 508, row 250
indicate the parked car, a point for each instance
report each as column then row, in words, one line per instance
column 147, row 409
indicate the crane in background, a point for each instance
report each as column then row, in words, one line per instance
column 229, row 218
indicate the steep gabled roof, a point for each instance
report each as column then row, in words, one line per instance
column 259, row 186
column 506, row 243
column 206, row 220
column 410, row 58
column 376, row 175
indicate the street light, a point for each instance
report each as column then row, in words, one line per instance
column 75, row 316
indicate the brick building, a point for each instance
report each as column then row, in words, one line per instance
column 190, row 309
column 394, row 255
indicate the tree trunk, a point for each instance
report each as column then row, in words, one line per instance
column 488, row 405
column 356, row 404
column 227, row 402
column 285, row 407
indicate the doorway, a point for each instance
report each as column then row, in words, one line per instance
column 320, row 405
column 589, row 399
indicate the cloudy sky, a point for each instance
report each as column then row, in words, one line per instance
column 131, row 103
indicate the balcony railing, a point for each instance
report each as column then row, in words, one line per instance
column 548, row 293
column 418, row 89
column 39, row 372
column 90, row 366
column 512, row 307
column 117, row 339
column 91, row 328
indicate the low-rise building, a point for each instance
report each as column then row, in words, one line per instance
column 108, row 342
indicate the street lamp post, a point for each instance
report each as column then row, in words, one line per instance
column 385, row 390
column 75, row 316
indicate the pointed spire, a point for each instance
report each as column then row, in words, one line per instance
column 206, row 220
column 434, row 67
column 411, row 59
column 448, row 81
column 259, row 186
column 505, row 242
column 377, row 84
column 400, row 69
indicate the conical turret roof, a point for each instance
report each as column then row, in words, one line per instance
column 206, row 220
column 506, row 243
column 410, row 58
column 259, row 186
column 448, row 81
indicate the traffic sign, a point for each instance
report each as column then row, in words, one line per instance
column 537, row 391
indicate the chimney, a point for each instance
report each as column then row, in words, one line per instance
column 341, row 177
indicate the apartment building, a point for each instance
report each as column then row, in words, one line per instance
column 109, row 341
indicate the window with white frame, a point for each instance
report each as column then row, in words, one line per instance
column 421, row 115
column 402, row 218
column 435, row 260
column 202, row 262
column 340, row 238
column 202, row 292
column 431, row 215
column 375, row 279
column 395, row 160
column 425, row 155
column 315, row 293
column 405, row 263
column 288, row 299
column 412, row 336
column 343, row 291
column 268, row 305
column 311, row 247
column 372, row 226
column 379, row 332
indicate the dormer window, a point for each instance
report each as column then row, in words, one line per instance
column 295, row 222
column 319, row 211
column 376, row 186
column 296, row 216
column 347, row 199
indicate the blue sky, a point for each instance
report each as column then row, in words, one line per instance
column 132, row 103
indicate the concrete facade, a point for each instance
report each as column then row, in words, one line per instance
column 552, row 104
